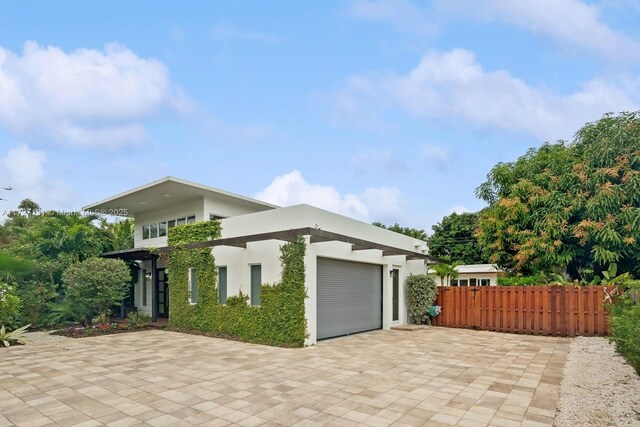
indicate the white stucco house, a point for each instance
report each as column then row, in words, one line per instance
column 355, row 271
column 472, row 275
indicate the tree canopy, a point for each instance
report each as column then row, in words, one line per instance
column 36, row 246
column 568, row 208
column 416, row 233
column 454, row 238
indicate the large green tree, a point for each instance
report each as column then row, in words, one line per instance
column 416, row 233
column 455, row 238
column 568, row 208
column 51, row 241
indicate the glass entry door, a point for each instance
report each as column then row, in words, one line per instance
column 163, row 293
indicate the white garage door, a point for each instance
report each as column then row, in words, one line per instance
column 349, row 297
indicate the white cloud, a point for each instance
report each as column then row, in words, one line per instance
column 85, row 97
column 401, row 14
column 454, row 86
column 439, row 156
column 225, row 32
column 383, row 204
column 24, row 170
column 571, row 23
column 375, row 161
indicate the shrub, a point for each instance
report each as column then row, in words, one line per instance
column 16, row 337
column 138, row 320
column 36, row 296
column 97, row 284
column 625, row 324
column 421, row 294
column 9, row 304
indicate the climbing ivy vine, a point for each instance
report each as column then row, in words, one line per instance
column 279, row 320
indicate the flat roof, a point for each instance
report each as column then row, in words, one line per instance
column 168, row 191
column 316, row 236
column 477, row 268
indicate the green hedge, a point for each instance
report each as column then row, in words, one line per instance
column 538, row 280
column 422, row 293
column 280, row 319
column 625, row 324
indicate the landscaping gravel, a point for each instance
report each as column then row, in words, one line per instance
column 598, row 387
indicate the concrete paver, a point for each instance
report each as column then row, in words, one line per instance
column 435, row 376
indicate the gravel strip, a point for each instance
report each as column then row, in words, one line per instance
column 598, row 387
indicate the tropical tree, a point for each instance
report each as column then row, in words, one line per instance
column 36, row 246
column 455, row 238
column 445, row 272
column 120, row 234
column 416, row 233
column 568, row 208
column 28, row 207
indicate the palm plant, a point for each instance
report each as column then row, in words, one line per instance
column 446, row 272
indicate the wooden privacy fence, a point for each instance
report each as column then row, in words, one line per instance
column 538, row 310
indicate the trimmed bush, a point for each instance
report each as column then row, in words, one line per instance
column 96, row 284
column 421, row 295
column 625, row 324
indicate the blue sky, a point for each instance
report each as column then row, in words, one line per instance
column 382, row 110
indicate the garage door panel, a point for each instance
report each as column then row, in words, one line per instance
column 349, row 297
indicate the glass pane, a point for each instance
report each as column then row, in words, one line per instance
column 222, row 285
column 464, row 282
column 256, row 284
column 193, row 286
column 162, row 229
column 484, row 282
column 171, row 223
column 181, row 221
column 473, row 282
column 154, row 231
column 145, row 231
column 191, row 219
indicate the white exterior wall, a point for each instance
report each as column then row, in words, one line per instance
column 267, row 253
column 227, row 210
column 238, row 260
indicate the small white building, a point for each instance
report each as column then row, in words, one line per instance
column 472, row 275
column 354, row 271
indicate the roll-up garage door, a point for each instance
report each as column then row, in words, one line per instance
column 349, row 297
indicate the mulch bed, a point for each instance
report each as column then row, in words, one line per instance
column 98, row 330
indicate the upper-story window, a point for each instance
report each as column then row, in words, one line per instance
column 160, row 229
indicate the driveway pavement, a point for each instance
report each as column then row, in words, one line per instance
column 435, row 376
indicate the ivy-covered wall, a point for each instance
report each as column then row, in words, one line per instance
column 279, row 320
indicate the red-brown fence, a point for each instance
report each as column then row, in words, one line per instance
column 538, row 310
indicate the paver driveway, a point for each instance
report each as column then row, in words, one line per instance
column 429, row 377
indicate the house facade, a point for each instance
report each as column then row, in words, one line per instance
column 355, row 272
column 472, row 275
